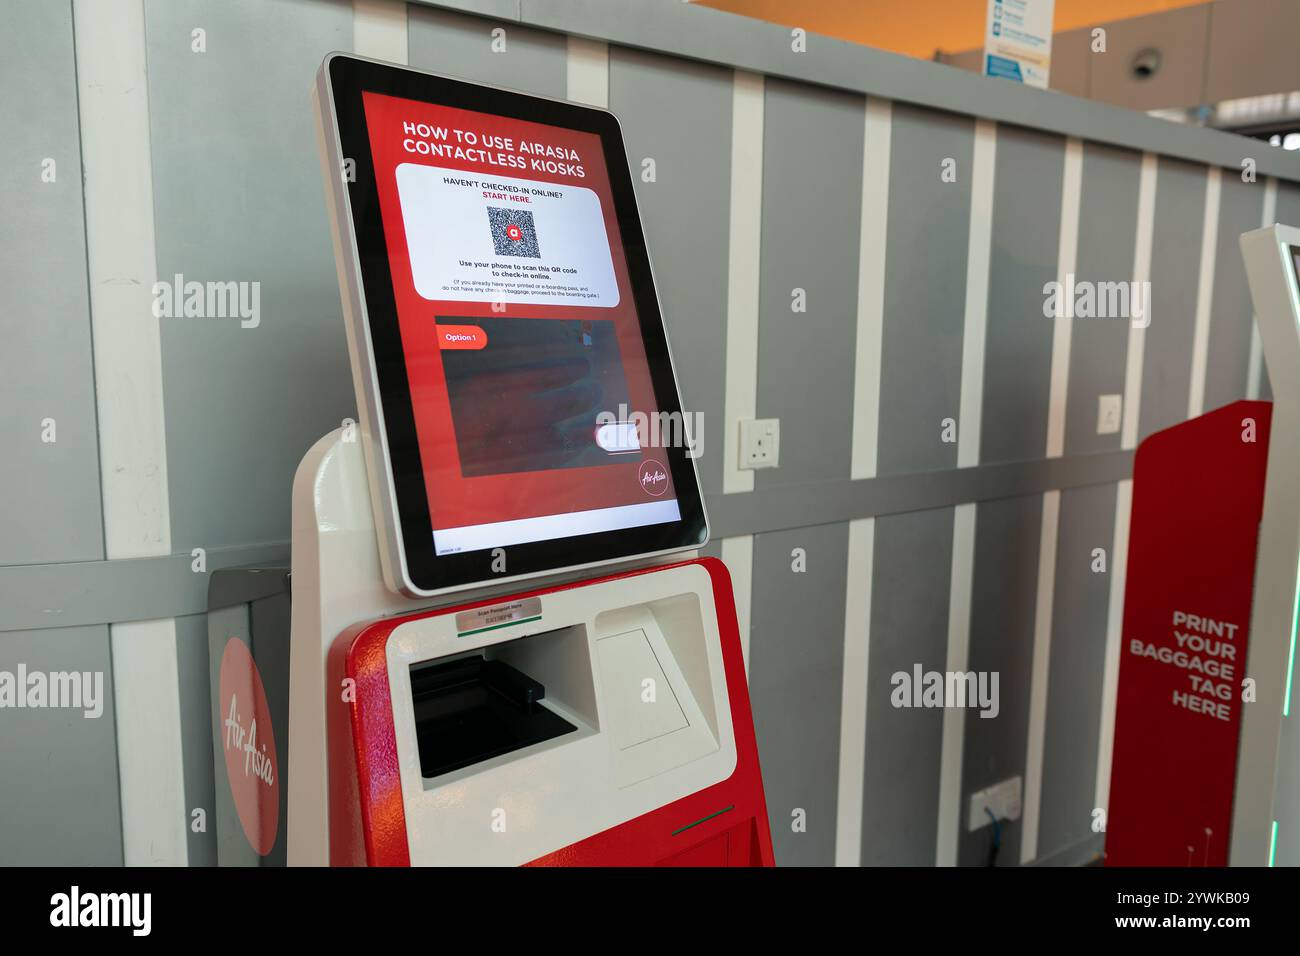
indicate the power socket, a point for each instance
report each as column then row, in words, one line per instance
column 1002, row 799
column 1109, row 408
column 760, row 443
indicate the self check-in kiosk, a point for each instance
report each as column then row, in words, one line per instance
column 504, row 649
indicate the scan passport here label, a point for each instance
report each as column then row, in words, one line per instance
column 484, row 238
column 494, row 616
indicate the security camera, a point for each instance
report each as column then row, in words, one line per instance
column 1146, row 64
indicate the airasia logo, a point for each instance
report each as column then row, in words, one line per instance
column 514, row 232
column 653, row 477
column 248, row 742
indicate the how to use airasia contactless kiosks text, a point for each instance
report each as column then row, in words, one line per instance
column 504, row 648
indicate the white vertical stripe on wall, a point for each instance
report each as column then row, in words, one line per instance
column 978, row 246
column 1269, row 215
column 954, row 718
column 588, row 71
column 873, row 224
column 379, row 29
column 871, row 286
column 1114, row 636
column 741, row 398
column 872, row 231
column 118, row 188
column 1039, row 672
column 853, row 699
column 738, row 556
column 968, row 445
column 1255, row 370
column 1205, row 292
column 1067, row 251
column 1137, row 337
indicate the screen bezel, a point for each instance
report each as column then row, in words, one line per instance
column 349, row 78
column 1293, row 254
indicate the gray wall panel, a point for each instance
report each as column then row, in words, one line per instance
column 1099, row 346
column 50, row 505
column 796, row 670
column 1077, row 660
column 1287, row 211
column 445, row 42
column 805, row 359
column 912, row 567
column 1175, row 271
column 925, row 289
column 680, row 115
column 1003, row 598
column 238, row 197
column 58, row 768
column 1022, row 259
column 1240, row 210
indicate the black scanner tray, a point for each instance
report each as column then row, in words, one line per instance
column 472, row 709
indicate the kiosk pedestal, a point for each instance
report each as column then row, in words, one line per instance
column 582, row 722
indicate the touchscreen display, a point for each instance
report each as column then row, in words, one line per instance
column 529, row 379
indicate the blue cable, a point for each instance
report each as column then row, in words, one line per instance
column 997, row 837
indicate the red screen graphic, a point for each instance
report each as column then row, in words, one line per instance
column 518, row 326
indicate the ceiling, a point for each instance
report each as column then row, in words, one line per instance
column 920, row 27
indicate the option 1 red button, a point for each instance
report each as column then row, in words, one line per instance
column 461, row 337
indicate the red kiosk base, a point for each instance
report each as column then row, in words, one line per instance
column 722, row 824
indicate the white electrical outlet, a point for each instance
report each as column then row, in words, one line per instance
column 1002, row 799
column 760, row 442
column 1108, row 413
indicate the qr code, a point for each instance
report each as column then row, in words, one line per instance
column 513, row 233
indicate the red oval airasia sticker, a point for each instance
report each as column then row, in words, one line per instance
column 248, row 740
